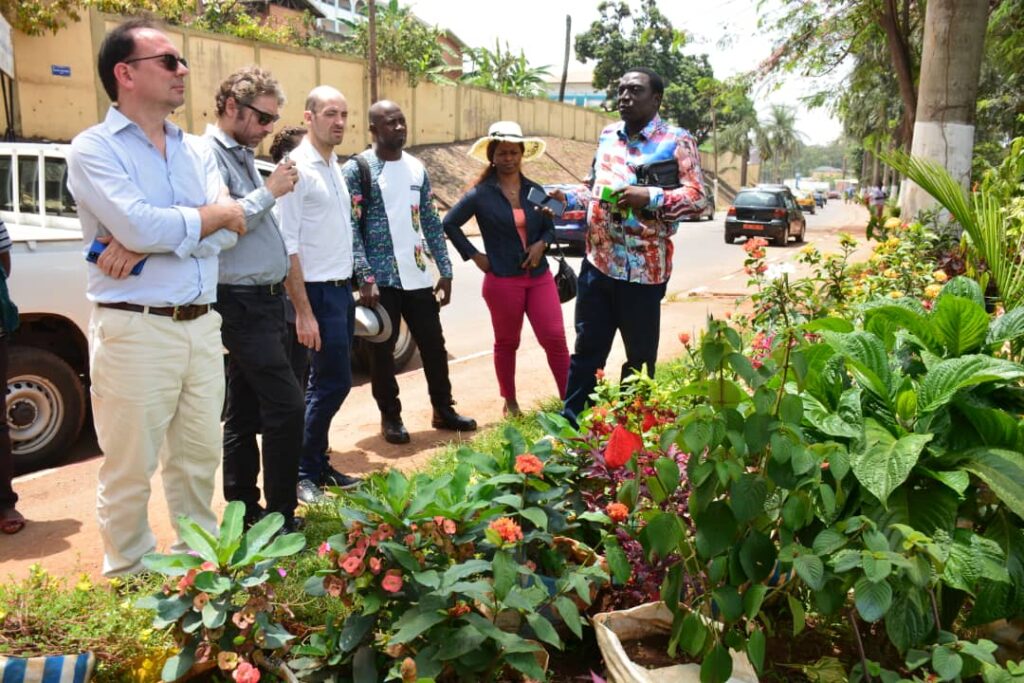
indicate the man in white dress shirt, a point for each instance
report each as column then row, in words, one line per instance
column 153, row 196
column 316, row 221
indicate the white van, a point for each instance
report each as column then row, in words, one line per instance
column 49, row 357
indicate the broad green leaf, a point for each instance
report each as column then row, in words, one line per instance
column 947, row 663
column 757, row 556
column 231, row 527
column 961, row 324
column 1002, row 471
column 796, row 610
column 753, row 598
column 198, row 539
column 811, row 569
column 907, row 624
column 828, row 541
column 894, row 317
column 543, row 629
column 177, row 666
column 212, row 583
column 943, row 380
column 355, row 629
column 697, row 436
column 364, row 666
column 617, row 561
column 668, row 474
column 214, row 614
column 662, row 534
column 716, row 530
column 747, row 495
column 413, row 622
column 459, row 642
column 867, row 359
column 873, row 600
column 526, row 663
column 1007, row 327
column 827, row 422
column 756, row 643
column 885, row 462
column 729, row 603
column 537, row 516
column 693, row 635
column 283, row 546
column 875, row 569
column 504, row 573
column 570, row 615
column 717, row 665
column 171, row 565
column 964, row 288
column 254, row 540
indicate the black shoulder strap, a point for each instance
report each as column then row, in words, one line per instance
column 366, row 185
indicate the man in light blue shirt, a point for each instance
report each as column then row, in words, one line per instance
column 151, row 195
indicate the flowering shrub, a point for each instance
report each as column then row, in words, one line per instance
column 219, row 599
column 455, row 577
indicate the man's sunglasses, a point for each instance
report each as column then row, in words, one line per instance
column 262, row 117
column 168, row 61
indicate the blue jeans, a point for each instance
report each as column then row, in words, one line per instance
column 605, row 305
column 330, row 372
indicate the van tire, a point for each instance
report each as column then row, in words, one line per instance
column 46, row 407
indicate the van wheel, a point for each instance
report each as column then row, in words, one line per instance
column 405, row 348
column 45, row 407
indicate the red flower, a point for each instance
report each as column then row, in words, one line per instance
column 622, row 444
column 246, row 673
column 353, row 564
column 509, row 531
column 392, row 582
column 684, row 338
column 459, row 609
column 617, row 511
column 527, row 463
column 186, row 582
column 599, row 375
column 649, row 421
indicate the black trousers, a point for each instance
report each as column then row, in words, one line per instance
column 263, row 395
column 421, row 312
column 7, row 495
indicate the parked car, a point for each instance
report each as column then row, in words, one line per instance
column 833, row 194
column 765, row 212
column 48, row 371
column 806, row 202
column 571, row 226
column 819, row 198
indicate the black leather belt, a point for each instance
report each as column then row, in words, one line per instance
column 334, row 283
column 176, row 313
column 273, row 289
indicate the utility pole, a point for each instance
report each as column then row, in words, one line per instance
column 565, row 61
column 371, row 8
column 714, row 146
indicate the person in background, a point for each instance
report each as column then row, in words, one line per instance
column 316, row 220
column 11, row 521
column 629, row 234
column 154, row 197
column 517, row 280
column 284, row 142
column 402, row 228
column 263, row 393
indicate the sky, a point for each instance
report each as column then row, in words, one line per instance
column 726, row 30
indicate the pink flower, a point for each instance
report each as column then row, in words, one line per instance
column 449, row 526
column 208, row 567
column 186, row 582
column 392, row 582
column 621, row 446
column 246, row 673
column 410, row 540
column 281, row 572
column 353, row 564
column 375, row 565
column 324, row 548
column 527, row 463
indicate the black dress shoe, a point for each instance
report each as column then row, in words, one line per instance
column 309, row 493
column 393, row 430
column 333, row 477
column 447, row 418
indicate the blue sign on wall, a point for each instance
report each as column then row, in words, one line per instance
column 60, row 70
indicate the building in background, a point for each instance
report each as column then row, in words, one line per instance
column 338, row 15
column 278, row 13
column 579, row 88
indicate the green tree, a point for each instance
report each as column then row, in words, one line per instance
column 621, row 39
column 403, row 42
column 782, row 138
column 738, row 127
column 505, row 72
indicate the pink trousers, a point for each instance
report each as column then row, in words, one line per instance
column 508, row 299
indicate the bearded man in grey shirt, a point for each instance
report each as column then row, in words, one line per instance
column 263, row 394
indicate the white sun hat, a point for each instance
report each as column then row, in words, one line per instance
column 507, row 131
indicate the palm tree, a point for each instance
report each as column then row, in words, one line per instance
column 782, row 137
column 505, row 72
column 739, row 138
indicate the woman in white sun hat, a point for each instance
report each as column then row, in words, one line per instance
column 515, row 232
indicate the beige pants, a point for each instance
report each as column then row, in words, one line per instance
column 157, row 396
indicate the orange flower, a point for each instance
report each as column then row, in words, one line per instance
column 459, row 609
column 617, row 511
column 684, row 338
column 392, row 582
column 599, row 374
column 507, row 529
column 622, row 444
column 528, row 463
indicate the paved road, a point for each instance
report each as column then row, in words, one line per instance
column 60, row 503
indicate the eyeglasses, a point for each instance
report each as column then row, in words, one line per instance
column 262, row 117
column 168, row 61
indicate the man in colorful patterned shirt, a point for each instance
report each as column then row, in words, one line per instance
column 629, row 233
column 403, row 230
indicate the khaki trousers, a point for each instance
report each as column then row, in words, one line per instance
column 157, row 395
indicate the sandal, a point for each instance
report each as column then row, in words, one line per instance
column 12, row 522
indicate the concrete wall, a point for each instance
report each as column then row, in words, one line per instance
column 57, row 107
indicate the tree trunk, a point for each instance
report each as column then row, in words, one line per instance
column 371, row 10
column 565, row 61
column 954, row 41
column 899, row 50
column 743, row 167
